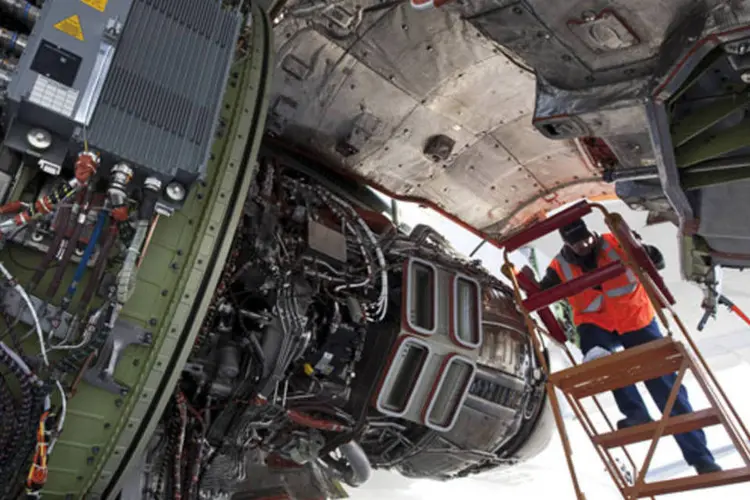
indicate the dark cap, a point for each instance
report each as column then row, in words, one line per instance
column 575, row 232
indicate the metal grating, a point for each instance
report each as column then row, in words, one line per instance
column 159, row 105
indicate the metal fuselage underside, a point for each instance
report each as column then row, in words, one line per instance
column 537, row 100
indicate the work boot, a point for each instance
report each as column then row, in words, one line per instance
column 632, row 422
column 707, row 467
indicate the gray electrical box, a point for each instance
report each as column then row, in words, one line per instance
column 61, row 73
column 140, row 81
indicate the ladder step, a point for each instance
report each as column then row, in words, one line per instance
column 620, row 369
column 675, row 425
column 711, row 480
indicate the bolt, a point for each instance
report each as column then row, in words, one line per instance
column 90, row 461
column 95, row 450
column 745, row 77
column 118, row 402
column 588, row 16
column 153, row 322
column 164, row 293
column 107, row 425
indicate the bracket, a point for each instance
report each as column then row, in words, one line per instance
column 102, row 373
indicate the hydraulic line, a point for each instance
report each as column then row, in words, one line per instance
column 126, row 278
column 69, row 249
column 62, row 227
column 12, row 207
column 723, row 300
column 78, row 276
column 22, row 10
column 101, row 264
column 13, row 42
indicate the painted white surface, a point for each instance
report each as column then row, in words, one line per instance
column 725, row 343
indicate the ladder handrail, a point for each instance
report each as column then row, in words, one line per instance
column 661, row 299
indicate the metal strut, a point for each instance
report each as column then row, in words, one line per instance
column 625, row 368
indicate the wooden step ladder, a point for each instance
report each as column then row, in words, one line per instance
column 625, row 368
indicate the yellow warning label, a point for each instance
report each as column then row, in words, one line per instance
column 71, row 26
column 99, row 5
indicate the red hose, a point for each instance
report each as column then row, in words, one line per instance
column 12, row 207
column 736, row 310
column 315, row 423
column 85, row 167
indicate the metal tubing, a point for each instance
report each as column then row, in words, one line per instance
column 706, row 167
column 13, row 42
column 67, row 254
column 572, row 287
column 101, row 264
column 536, row 231
column 62, row 227
column 81, row 268
column 706, row 174
column 22, row 10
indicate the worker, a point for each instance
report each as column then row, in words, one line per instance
column 618, row 313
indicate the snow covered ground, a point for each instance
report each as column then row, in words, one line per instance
column 725, row 343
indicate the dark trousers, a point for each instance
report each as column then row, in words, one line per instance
column 692, row 444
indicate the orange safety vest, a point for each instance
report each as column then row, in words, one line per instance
column 621, row 305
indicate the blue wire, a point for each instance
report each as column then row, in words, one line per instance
column 86, row 255
column 26, row 10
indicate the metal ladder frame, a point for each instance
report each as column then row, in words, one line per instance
column 635, row 259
